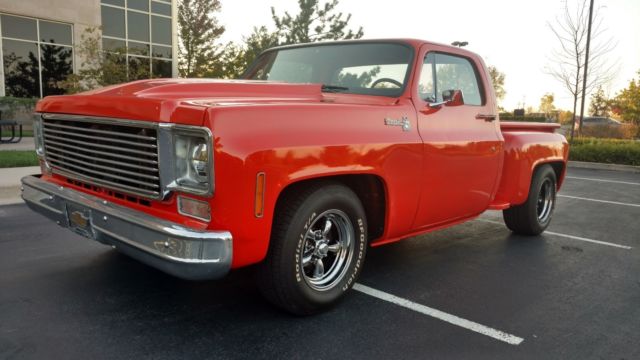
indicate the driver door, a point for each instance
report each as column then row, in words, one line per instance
column 462, row 142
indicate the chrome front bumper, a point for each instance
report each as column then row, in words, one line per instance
column 183, row 252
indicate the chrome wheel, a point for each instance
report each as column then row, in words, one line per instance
column 328, row 249
column 545, row 201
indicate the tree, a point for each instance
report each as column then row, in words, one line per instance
column 600, row 105
column 314, row 23
column 627, row 102
column 199, row 30
column 101, row 68
column 237, row 58
column 497, row 78
column 546, row 104
column 570, row 30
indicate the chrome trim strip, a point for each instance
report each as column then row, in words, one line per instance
column 106, row 132
column 65, row 163
column 102, row 120
column 108, row 147
column 104, row 167
column 168, row 246
column 114, row 186
column 90, row 137
column 57, row 151
column 105, row 153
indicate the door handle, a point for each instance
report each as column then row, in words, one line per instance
column 486, row 117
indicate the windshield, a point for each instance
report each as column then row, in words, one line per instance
column 356, row 68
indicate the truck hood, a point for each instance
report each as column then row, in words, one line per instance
column 185, row 101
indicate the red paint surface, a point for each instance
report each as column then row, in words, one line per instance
column 449, row 168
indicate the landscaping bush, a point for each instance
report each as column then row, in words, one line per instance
column 509, row 117
column 610, row 151
column 624, row 131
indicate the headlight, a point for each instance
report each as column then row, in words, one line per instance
column 193, row 162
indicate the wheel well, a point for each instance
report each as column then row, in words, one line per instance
column 558, row 168
column 369, row 189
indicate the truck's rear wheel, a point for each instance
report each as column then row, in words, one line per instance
column 533, row 217
column 317, row 249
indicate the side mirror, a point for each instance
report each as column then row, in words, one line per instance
column 453, row 97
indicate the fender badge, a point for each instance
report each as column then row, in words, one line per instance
column 404, row 122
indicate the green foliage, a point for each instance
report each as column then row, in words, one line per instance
column 9, row 159
column 237, row 58
column 600, row 105
column 199, row 30
column 546, row 103
column 511, row 117
column 10, row 106
column 100, row 68
column 610, row 151
column 626, row 104
column 497, row 78
column 314, row 23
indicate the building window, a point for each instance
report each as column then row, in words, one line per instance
column 36, row 55
column 142, row 31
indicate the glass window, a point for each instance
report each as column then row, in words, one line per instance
column 19, row 28
column 426, row 87
column 367, row 68
column 112, row 22
column 137, row 48
column 161, row 68
column 21, row 73
column 457, row 73
column 57, row 64
column 139, row 68
column 161, row 30
column 138, row 26
column 114, row 45
column 57, row 33
column 162, row 51
column 138, row 4
column 160, row 8
column 114, row 2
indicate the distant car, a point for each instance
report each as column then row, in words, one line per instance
column 600, row 121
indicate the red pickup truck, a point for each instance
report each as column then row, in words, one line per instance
column 319, row 152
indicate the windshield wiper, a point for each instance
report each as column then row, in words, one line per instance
column 333, row 88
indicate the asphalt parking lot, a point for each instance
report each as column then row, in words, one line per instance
column 473, row 291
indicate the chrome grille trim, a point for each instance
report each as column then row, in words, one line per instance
column 118, row 154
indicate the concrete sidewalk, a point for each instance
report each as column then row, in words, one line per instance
column 10, row 183
column 25, row 144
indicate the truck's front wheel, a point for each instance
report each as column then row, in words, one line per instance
column 317, row 249
column 533, row 217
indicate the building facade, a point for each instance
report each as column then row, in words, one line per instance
column 40, row 40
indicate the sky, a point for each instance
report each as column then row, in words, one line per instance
column 512, row 35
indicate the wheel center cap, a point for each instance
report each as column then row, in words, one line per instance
column 322, row 250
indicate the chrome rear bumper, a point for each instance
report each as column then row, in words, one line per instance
column 183, row 252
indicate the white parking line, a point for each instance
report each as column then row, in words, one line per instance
column 600, row 201
column 451, row 319
column 572, row 237
column 603, row 180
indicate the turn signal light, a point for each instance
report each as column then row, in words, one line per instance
column 259, row 200
column 194, row 208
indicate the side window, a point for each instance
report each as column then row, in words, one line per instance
column 426, row 86
column 442, row 73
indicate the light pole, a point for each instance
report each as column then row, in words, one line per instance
column 460, row 43
column 586, row 66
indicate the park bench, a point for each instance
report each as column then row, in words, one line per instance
column 12, row 124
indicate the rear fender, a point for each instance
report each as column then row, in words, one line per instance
column 524, row 152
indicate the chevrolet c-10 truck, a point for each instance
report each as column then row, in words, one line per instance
column 318, row 152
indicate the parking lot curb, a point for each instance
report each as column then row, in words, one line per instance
column 603, row 166
column 10, row 183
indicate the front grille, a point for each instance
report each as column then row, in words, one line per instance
column 119, row 157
